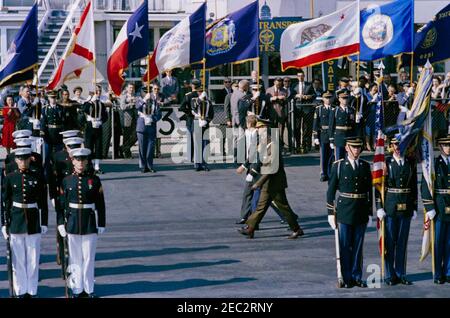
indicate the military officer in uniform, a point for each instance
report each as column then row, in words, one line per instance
column 186, row 108
column 400, row 206
column 272, row 184
column 70, row 111
column 23, row 140
column 437, row 205
column 52, row 121
column 353, row 210
column 24, row 219
column 81, row 216
column 321, row 134
column 96, row 115
column 342, row 124
column 149, row 112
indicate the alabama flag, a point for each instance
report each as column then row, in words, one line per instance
column 322, row 39
column 80, row 51
column 131, row 44
column 181, row 46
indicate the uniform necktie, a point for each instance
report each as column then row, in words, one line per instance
column 400, row 162
column 356, row 164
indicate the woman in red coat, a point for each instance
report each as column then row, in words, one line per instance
column 11, row 115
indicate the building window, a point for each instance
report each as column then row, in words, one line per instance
column 10, row 34
column 18, row 3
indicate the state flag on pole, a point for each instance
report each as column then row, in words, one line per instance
column 131, row 44
column 80, row 51
column 22, row 55
column 181, row 46
column 322, row 39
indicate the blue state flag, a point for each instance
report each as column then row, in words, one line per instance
column 22, row 55
column 431, row 42
column 386, row 30
column 233, row 38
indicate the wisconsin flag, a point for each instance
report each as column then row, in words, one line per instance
column 387, row 30
column 131, row 44
column 80, row 51
column 234, row 37
column 180, row 46
column 322, row 39
column 22, row 55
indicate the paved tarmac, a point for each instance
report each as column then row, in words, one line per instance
column 172, row 234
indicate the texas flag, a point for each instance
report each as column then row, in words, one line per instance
column 131, row 44
column 80, row 51
column 181, row 46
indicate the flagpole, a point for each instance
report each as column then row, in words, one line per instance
column 357, row 80
column 432, row 246
column 204, row 87
column 148, row 73
column 381, row 67
column 257, row 84
column 312, row 8
column 411, row 68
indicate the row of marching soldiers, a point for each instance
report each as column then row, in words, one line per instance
column 351, row 212
column 77, row 196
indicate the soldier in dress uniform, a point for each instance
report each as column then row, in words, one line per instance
column 81, row 217
column 18, row 134
column 52, row 121
column 321, row 135
column 437, row 205
column 400, row 206
column 149, row 112
column 352, row 212
column 342, row 124
column 24, row 219
column 70, row 111
column 272, row 184
column 23, row 140
column 62, row 167
column 96, row 115
column 186, row 108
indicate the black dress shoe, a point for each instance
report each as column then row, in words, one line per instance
column 207, row 168
column 360, row 283
column 199, row 169
column 91, row 295
column 349, row 285
column 405, row 281
column 247, row 231
column 323, row 178
column 143, row 170
column 241, row 221
column 439, row 281
column 391, row 281
column 152, row 170
column 296, row 234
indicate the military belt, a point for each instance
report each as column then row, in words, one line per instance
column 82, row 206
column 54, row 126
column 442, row 191
column 25, row 205
column 343, row 127
column 324, row 127
column 398, row 190
column 353, row 195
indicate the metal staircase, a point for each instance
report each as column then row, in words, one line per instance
column 49, row 33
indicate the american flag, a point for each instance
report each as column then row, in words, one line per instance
column 378, row 159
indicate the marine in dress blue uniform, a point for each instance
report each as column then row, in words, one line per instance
column 321, row 134
column 437, row 205
column 400, row 206
column 352, row 210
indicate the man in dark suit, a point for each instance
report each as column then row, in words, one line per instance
column 220, row 95
column 437, row 205
column 303, row 114
column 352, row 212
column 278, row 99
column 400, row 206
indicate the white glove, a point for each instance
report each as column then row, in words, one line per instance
column 256, row 95
column 203, row 96
column 414, row 215
column 101, row 230
column 202, row 123
column 332, row 222
column 332, row 146
column 381, row 214
column 431, row 214
column 5, row 235
column 370, row 223
column 94, row 98
column 197, row 116
column 249, row 178
column 62, row 230
column 358, row 118
column 44, row 229
column 53, row 202
column 316, row 141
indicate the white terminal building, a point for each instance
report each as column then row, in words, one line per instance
column 110, row 15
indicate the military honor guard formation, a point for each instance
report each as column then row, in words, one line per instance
column 55, row 140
